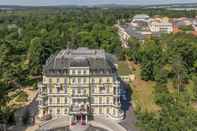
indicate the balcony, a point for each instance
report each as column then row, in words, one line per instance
column 78, row 109
column 57, row 85
column 58, row 104
column 79, row 96
column 101, row 104
column 77, row 85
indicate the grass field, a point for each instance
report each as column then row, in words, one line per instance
column 143, row 92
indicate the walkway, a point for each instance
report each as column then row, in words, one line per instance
column 55, row 123
column 108, row 124
column 79, row 127
column 129, row 122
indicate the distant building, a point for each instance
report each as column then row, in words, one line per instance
column 141, row 17
column 194, row 24
column 80, row 82
column 128, row 30
column 124, row 36
column 161, row 26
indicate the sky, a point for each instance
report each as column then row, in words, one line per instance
column 90, row 2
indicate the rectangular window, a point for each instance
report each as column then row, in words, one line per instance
column 107, row 110
column 100, row 80
column 73, row 91
column 84, row 80
column 65, row 100
column 65, row 111
column 108, row 80
column 58, row 111
column 114, row 101
column 93, row 90
column 79, row 91
column 58, row 89
column 100, row 110
column 50, row 111
column 65, row 90
column 58, row 100
column 50, row 100
column 79, row 72
column 92, row 100
column 101, row 89
column 58, row 80
column 100, row 100
column 114, row 113
column 79, row 80
column 93, row 80
column 108, row 89
column 50, row 90
column 73, row 80
column 50, row 80
column 114, row 90
column 107, row 100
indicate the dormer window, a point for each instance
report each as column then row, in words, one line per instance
column 79, row 71
column 50, row 80
column 73, row 71
column 100, row 80
column 84, row 80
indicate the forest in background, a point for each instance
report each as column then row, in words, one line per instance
column 29, row 37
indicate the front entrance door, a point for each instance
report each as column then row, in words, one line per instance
column 78, row 117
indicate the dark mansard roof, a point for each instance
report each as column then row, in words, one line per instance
column 96, row 60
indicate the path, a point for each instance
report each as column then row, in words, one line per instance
column 107, row 124
column 129, row 122
column 55, row 123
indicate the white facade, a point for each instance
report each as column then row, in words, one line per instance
column 124, row 36
column 79, row 83
column 141, row 17
column 164, row 27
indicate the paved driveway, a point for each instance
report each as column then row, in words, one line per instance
column 130, row 120
column 108, row 124
column 55, row 123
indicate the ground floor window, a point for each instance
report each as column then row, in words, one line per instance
column 65, row 111
column 100, row 110
column 108, row 110
column 58, row 111
column 50, row 111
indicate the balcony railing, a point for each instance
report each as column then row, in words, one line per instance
column 78, row 109
column 79, row 96
column 77, row 85
column 58, row 104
